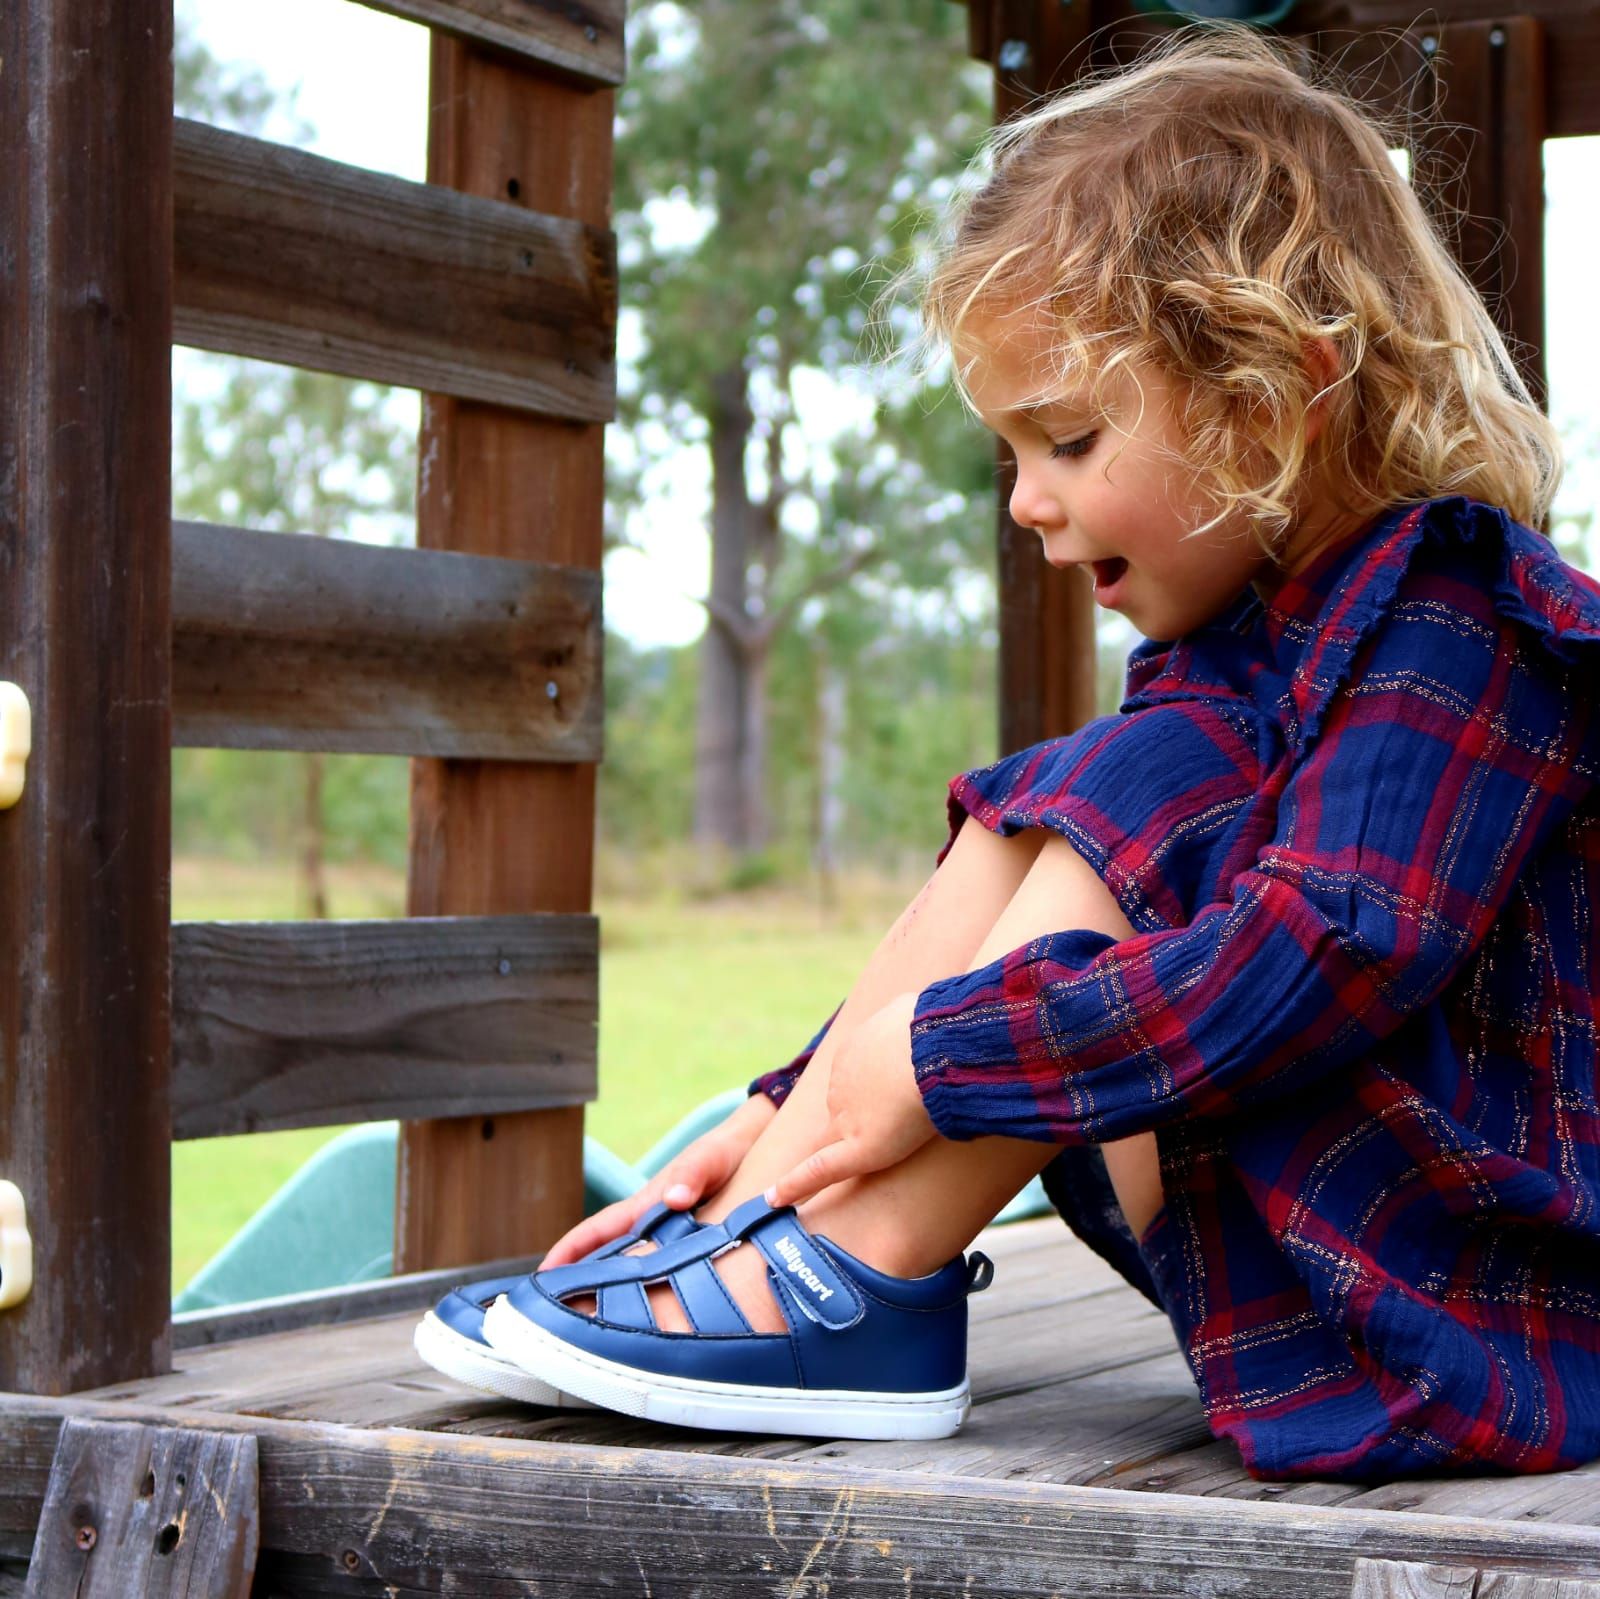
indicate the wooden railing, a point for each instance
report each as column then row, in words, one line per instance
column 477, row 654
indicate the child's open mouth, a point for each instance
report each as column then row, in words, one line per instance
column 1108, row 577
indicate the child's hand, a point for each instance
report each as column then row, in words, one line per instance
column 700, row 1169
column 875, row 1112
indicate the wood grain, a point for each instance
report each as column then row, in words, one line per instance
column 489, row 838
column 285, row 642
column 582, row 41
column 291, row 257
column 85, row 630
column 314, row 1024
column 158, row 1512
column 439, row 1513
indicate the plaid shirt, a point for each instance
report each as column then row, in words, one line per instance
column 1358, row 1009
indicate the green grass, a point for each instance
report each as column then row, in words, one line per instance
column 696, row 997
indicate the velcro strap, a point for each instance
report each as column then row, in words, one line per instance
column 815, row 1284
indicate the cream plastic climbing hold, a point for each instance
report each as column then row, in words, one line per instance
column 16, row 1247
column 16, row 741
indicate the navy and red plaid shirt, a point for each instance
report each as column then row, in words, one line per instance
column 1356, row 832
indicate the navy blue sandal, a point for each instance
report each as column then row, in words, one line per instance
column 450, row 1337
column 866, row 1355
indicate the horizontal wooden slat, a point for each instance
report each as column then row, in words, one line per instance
column 307, row 1024
column 294, row 258
column 580, row 41
column 1361, row 38
column 331, row 1307
column 353, row 1510
column 285, row 642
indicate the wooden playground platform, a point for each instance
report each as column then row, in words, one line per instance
column 301, row 1449
column 1084, row 1468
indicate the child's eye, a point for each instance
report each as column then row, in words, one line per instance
column 1075, row 447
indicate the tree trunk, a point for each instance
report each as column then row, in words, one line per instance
column 313, row 876
column 830, row 772
column 723, row 712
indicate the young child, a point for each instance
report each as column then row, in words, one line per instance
column 1285, row 975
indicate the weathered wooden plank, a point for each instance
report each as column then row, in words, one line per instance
column 311, row 1024
column 1412, row 1579
column 584, row 42
column 1524, row 1585
column 331, row 1307
column 285, row 642
column 295, row 258
column 430, row 1513
column 85, row 508
column 152, row 1511
column 1404, row 1579
column 489, row 838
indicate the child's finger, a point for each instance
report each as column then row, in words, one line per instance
column 590, row 1233
column 821, row 1169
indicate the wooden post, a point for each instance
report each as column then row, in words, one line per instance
column 1488, row 180
column 85, row 507
column 1047, row 627
column 162, row 1512
column 487, row 837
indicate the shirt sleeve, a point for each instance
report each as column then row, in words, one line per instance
column 777, row 1083
column 1453, row 751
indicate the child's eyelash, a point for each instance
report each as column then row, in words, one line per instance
column 1075, row 448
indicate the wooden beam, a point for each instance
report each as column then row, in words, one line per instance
column 294, row 258
column 498, row 838
column 162, row 1512
column 1414, row 1579
column 313, row 1024
column 1360, row 35
column 1480, row 168
column 85, row 629
column 583, row 42
column 285, row 642
column 332, row 1307
column 357, row 1511
column 1046, row 677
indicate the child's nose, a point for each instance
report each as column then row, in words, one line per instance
column 1031, row 505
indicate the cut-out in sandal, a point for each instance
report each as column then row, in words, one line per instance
column 450, row 1336
column 867, row 1355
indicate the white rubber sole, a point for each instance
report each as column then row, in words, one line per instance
column 723, row 1406
column 456, row 1356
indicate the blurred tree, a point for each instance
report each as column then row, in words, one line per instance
column 282, row 449
column 800, row 138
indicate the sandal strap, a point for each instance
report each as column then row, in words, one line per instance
column 588, row 1276
column 822, row 1292
column 706, row 1300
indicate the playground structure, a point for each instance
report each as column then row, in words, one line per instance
column 297, row 1447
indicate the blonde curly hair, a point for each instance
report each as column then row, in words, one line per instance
column 1211, row 209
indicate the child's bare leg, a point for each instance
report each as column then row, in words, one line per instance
column 935, row 934
column 911, row 1218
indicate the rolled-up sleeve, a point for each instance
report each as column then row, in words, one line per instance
column 1454, row 750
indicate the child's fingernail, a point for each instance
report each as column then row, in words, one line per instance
column 771, row 1196
column 679, row 1194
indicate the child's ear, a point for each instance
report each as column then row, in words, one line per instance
column 1321, row 361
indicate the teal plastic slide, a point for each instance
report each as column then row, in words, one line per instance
column 332, row 1223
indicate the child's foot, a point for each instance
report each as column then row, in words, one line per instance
column 746, row 1274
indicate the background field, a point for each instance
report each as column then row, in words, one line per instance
column 696, row 996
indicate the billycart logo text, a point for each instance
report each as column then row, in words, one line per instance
column 786, row 1247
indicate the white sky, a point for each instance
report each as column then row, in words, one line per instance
column 361, row 80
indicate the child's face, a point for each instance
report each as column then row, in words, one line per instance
column 1109, row 491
